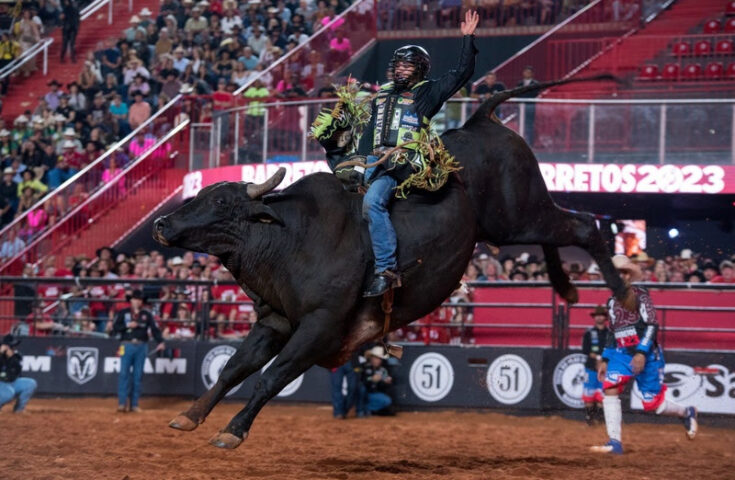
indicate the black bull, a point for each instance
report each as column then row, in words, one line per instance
column 303, row 255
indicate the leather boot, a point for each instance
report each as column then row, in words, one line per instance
column 381, row 283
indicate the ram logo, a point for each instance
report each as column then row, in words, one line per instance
column 81, row 363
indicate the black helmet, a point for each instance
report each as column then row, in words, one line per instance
column 414, row 55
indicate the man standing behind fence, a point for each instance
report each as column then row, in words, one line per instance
column 593, row 344
column 131, row 325
column 69, row 29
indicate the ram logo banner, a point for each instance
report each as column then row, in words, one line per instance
column 162, row 366
column 81, row 363
column 711, row 389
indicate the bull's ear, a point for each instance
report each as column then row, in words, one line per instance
column 259, row 212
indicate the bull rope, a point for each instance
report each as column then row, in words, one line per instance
column 386, row 156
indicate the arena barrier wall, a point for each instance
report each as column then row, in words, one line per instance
column 529, row 379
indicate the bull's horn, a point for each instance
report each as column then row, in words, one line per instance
column 258, row 190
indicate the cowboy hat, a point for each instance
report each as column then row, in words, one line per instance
column 4, row 132
column 21, row 119
column 146, row 12
column 134, row 19
column 70, row 132
column 137, row 293
column 642, row 257
column 599, row 310
column 376, row 351
column 68, row 144
column 8, row 171
column 53, row 82
column 593, row 269
column 625, row 264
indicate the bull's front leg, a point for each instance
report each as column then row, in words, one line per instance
column 265, row 340
column 315, row 338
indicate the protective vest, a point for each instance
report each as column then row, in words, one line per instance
column 396, row 119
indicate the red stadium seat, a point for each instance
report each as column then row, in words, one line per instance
column 725, row 47
column 730, row 73
column 712, row 26
column 702, row 47
column 692, row 72
column 730, row 9
column 670, row 71
column 649, row 72
column 714, row 71
column 682, row 48
column 730, row 25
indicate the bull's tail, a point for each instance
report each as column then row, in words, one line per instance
column 486, row 110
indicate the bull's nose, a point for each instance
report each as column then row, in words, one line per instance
column 159, row 224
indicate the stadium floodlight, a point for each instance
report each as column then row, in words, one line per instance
column 673, row 233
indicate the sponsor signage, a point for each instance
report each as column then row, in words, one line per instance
column 709, row 387
column 559, row 177
column 568, row 379
column 439, row 376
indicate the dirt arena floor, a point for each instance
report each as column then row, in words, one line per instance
column 86, row 439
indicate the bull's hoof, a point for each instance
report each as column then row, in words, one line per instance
column 571, row 295
column 629, row 300
column 182, row 422
column 227, row 440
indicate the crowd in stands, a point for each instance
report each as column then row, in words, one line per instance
column 225, row 312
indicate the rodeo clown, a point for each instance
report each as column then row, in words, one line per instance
column 401, row 112
column 632, row 352
column 593, row 343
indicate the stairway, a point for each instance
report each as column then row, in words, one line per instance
column 627, row 55
column 23, row 93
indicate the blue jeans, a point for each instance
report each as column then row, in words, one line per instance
column 21, row 387
column 382, row 234
column 377, row 401
column 342, row 404
column 133, row 356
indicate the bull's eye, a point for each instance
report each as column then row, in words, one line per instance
column 219, row 202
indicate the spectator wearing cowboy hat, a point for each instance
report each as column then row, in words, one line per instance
column 376, row 380
column 131, row 326
column 12, row 385
column 727, row 273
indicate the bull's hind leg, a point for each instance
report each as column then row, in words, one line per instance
column 265, row 340
column 561, row 228
column 313, row 340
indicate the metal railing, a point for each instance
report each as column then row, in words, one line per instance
column 356, row 23
column 88, row 179
column 601, row 17
column 696, row 131
column 535, row 322
column 44, row 44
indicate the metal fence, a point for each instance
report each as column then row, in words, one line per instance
column 690, row 131
column 501, row 313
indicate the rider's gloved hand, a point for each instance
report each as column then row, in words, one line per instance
column 350, row 177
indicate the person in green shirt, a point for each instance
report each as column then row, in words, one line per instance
column 29, row 180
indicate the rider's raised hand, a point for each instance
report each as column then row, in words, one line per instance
column 471, row 19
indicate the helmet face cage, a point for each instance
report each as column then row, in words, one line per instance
column 413, row 55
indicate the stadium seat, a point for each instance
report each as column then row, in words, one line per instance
column 681, row 48
column 714, row 71
column 730, row 73
column 670, row 71
column 648, row 72
column 725, row 47
column 730, row 9
column 712, row 26
column 702, row 47
column 692, row 72
column 730, row 25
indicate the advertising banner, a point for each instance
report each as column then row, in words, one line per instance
column 559, row 177
column 91, row 366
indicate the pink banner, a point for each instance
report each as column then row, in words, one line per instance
column 559, row 177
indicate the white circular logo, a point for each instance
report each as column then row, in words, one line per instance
column 509, row 379
column 569, row 376
column 431, row 377
column 291, row 387
column 213, row 363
